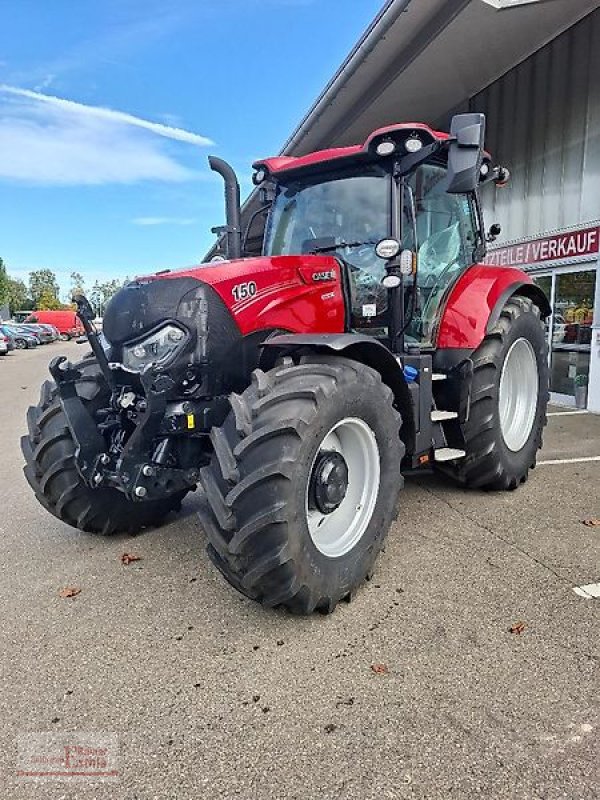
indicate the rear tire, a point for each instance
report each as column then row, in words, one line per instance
column 49, row 451
column 508, row 407
column 259, row 509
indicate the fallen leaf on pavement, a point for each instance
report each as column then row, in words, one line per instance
column 591, row 523
column 69, row 591
column 127, row 558
column 379, row 669
column 517, row 628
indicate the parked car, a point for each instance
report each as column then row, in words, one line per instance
column 44, row 334
column 3, row 344
column 67, row 322
column 51, row 330
column 22, row 337
column 10, row 339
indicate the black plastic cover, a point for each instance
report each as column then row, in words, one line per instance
column 214, row 335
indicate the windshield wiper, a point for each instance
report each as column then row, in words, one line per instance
column 338, row 245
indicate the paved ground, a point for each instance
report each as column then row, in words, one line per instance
column 212, row 696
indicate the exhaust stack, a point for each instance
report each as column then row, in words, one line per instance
column 233, row 215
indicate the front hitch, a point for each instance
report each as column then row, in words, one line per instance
column 134, row 471
column 89, row 443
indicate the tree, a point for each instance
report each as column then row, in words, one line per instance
column 40, row 281
column 102, row 292
column 47, row 301
column 77, row 284
column 3, row 284
column 17, row 296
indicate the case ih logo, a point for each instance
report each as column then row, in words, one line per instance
column 551, row 248
column 328, row 275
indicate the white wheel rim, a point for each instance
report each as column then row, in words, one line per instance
column 335, row 534
column 518, row 395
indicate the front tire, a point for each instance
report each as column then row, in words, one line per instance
column 509, row 397
column 49, row 451
column 302, row 486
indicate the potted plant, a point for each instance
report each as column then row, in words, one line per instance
column 581, row 390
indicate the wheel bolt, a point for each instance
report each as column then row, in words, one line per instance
column 104, row 459
column 147, row 470
column 140, row 491
column 97, row 478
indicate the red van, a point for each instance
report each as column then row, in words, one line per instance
column 67, row 322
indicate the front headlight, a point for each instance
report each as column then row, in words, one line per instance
column 155, row 349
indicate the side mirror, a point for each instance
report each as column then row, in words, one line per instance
column 494, row 232
column 465, row 154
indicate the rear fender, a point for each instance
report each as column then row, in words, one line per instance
column 359, row 348
column 530, row 290
column 476, row 301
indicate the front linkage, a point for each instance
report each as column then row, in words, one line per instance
column 136, row 467
column 128, row 445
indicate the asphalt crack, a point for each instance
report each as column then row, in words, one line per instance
column 498, row 536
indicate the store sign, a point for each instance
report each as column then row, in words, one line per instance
column 552, row 248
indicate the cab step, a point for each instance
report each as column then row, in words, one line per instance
column 438, row 376
column 448, row 454
column 443, row 416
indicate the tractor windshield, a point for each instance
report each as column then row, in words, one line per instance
column 341, row 215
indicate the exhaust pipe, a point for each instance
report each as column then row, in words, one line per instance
column 233, row 214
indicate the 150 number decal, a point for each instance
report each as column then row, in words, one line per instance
column 242, row 291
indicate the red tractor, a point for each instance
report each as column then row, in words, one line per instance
column 296, row 386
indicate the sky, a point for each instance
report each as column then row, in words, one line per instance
column 109, row 110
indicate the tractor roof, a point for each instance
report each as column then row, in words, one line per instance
column 280, row 165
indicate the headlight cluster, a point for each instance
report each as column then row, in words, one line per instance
column 157, row 348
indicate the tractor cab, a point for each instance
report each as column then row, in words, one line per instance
column 347, row 214
column 400, row 185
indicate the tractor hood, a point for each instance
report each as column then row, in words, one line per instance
column 289, row 293
column 188, row 319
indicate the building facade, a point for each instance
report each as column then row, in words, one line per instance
column 533, row 67
column 544, row 122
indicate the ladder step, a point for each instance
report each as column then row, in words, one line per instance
column 438, row 376
column 448, row 454
column 442, row 416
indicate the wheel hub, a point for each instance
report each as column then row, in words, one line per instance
column 343, row 487
column 329, row 482
column 518, row 394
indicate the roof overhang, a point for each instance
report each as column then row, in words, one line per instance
column 422, row 58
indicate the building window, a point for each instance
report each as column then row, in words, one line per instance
column 570, row 331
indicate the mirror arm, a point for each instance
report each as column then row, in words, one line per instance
column 412, row 160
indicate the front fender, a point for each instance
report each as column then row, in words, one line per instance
column 476, row 300
column 359, row 347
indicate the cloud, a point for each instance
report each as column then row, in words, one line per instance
column 46, row 81
column 49, row 140
column 99, row 112
column 163, row 221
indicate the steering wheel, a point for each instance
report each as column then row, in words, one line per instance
column 441, row 248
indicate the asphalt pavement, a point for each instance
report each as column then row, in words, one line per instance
column 467, row 667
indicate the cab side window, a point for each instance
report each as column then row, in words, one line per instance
column 446, row 244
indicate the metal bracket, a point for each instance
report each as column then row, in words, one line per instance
column 88, row 441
